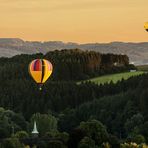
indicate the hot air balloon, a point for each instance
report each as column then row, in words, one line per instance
column 40, row 70
column 146, row 26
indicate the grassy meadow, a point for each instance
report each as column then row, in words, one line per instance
column 114, row 77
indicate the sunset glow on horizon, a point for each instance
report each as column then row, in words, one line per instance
column 79, row 21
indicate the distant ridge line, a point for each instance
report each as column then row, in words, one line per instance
column 136, row 51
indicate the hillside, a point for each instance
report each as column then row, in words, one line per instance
column 137, row 52
column 113, row 77
column 66, row 113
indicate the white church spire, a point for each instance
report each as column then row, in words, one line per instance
column 35, row 131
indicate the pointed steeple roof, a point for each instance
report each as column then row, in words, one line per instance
column 35, row 131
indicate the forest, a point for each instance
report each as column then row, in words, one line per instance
column 71, row 115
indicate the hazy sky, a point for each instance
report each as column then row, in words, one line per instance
column 74, row 20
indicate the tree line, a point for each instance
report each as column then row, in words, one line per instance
column 83, row 115
column 68, row 64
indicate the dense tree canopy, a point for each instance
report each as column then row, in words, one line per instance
column 91, row 114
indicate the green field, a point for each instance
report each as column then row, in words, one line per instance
column 114, row 77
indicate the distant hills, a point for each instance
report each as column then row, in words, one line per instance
column 137, row 52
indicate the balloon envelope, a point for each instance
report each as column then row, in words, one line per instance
column 146, row 26
column 40, row 70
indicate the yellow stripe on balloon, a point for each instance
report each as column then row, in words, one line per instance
column 36, row 75
column 146, row 26
column 47, row 71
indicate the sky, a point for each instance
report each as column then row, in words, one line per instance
column 79, row 21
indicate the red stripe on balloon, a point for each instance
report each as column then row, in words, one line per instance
column 49, row 66
column 37, row 65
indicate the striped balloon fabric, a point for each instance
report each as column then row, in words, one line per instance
column 40, row 70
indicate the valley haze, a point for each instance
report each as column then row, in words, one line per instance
column 137, row 52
